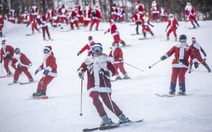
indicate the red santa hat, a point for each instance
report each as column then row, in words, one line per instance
column 3, row 41
column 193, row 39
column 110, row 21
column 48, row 48
column 97, row 46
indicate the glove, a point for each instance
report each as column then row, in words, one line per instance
column 36, row 72
column 81, row 73
column 19, row 65
column 0, row 61
column 163, row 57
column 46, row 72
column 205, row 54
column 196, row 64
column 78, row 54
column 103, row 72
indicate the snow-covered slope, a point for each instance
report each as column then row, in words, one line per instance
column 136, row 97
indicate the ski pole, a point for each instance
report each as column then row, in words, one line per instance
column 81, row 97
column 154, row 64
column 108, row 95
column 134, row 67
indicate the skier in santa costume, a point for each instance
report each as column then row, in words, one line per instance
column 115, row 33
column 1, row 24
column 99, row 70
column 196, row 48
column 43, row 24
column 180, row 64
column 88, row 46
column 7, row 53
column 118, row 61
column 190, row 14
column 95, row 18
column 137, row 19
column 172, row 23
column 23, row 63
column 49, row 66
column 145, row 25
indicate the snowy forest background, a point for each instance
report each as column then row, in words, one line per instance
column 176, row 7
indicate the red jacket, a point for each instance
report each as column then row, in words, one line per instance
column 96, row 15
column 196, row 48
column 96, row 81
column 87, row 47
column 181, row 52
column 21, row 59
column 51, row 65
column 173, row 23
column 117, row 54
column 113, row 29
column 137, row 17
column 189, row 11
column 7, row 52
column 1, row 21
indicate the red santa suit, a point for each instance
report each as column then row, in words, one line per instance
column 145, row 25
column 80, row 15
column 34, row 11
column 137, row 18
column 63, row 14
column 120, row 14
column 25, row 18
column 1, row 24
column 87, row 15
column 7, row 52
column 190, row 14
column 180, row 64
column 99, row 85
column 163, row 14
column 87, row 47
column 50, row 14
column 139, row 7
column 73, row 19
column 43, row 24
column 155, row 11
column 12, row 16
column 118, row 61
column 114, row 32
column 114, row 12
column 172, row 23
column 95, row 18
column 23, row 63
column 197, row 50
column 49, row 66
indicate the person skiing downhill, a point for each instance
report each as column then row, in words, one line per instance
column 118, row 61
column 180, row 64
column 196, row 48
column 172, row 23
column 99, row 70
column 87, row 46
column 115, row 33
column 49, row 66
column 190, row 15
column 23, row 63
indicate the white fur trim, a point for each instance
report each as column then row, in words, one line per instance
column 100, row 90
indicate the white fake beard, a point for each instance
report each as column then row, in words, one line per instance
column 171, row 19
column 45, row 56
column 3, row 46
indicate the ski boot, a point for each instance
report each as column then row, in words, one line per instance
column 39, row 93
column 31, row 80
column 181, row 93
column 106, row 120
column 171, row 92
column 123, row 119
column 126, row 77
column 167, row 38
column 208, row 68
column 118, row 78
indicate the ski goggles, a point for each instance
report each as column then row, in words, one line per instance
column 97, row 49
column 46, row 51
column 182, row 40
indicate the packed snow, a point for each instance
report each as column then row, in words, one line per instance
column 135, row 96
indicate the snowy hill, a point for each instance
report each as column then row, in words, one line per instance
column 136, row 97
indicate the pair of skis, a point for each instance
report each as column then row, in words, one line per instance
column 107, row 127
column 21, row 83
